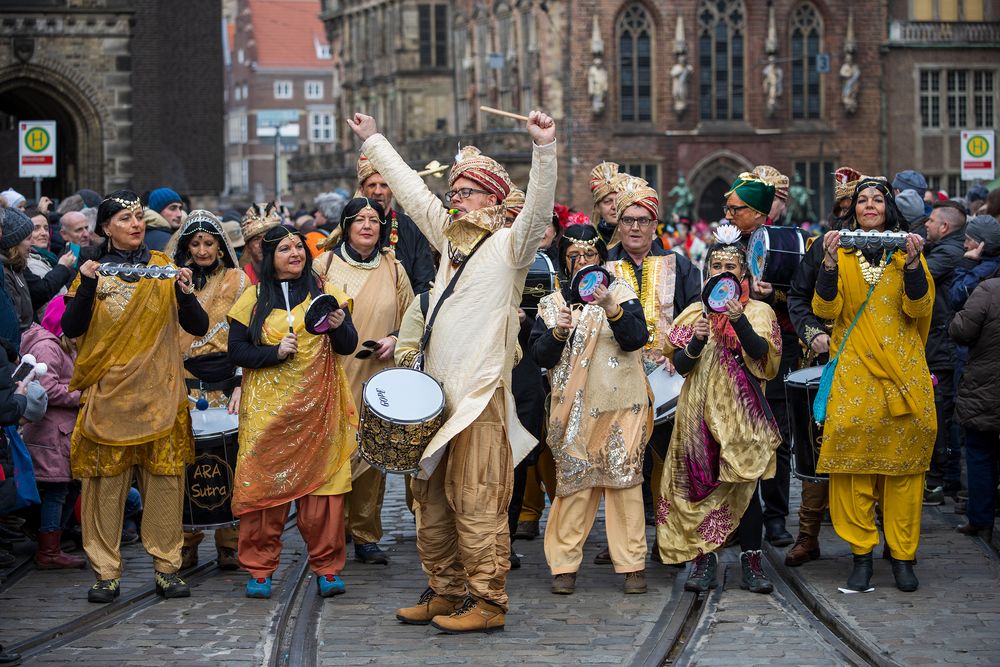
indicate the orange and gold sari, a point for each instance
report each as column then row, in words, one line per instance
column 298, row 423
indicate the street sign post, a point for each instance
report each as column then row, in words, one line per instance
column 978, row 155
column 36, row 151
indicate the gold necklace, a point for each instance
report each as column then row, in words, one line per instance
column 871, row 274
column 370, row 264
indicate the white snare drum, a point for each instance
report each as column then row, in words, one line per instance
column 402, row 409
column 666, row 389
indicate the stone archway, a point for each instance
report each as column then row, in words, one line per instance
column 711, row 177
column 35, row 92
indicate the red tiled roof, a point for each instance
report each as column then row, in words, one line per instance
column 286, row 32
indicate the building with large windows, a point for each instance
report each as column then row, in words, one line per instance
column 702, row 89
column 940, row 79
column 279, row 88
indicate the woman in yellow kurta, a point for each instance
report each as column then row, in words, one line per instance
column 724, row 435
column 133, row 403
column 298, row 424
column 203, row 247
column 381, row 292
column 599, row 416
column 880, row 425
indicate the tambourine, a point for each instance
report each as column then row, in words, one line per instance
column 318, row 312
column 166, row 272
column 720, row 289
column 586, row 281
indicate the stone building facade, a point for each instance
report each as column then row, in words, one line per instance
column 702, row 89
column 278, row 74
column 135, row 87
column 942, row 74
column 664, row 88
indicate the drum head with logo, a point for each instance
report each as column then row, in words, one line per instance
column 757, row 252
column 318, row 311
column 587, row 280
column 403, row 395
column 720, row 289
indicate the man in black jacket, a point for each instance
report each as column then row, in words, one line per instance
column 401, row 233
column 944, row 252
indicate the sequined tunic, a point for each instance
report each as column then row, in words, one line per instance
column 723, row 440
column 600, row 416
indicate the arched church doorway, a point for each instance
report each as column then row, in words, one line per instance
column 710, row 179
column 34, row 93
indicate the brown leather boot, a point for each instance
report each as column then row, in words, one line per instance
column 474, row 616
column 805, row 549
column 50, row 555
column 430, row 605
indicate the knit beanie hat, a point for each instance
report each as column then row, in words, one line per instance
column 986, row 230
column 161, row 198
column 12, row 197
column 911, row 205
column 90, row 198
column 910, row 180
column 16, row 227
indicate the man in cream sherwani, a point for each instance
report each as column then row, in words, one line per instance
column 464, row 487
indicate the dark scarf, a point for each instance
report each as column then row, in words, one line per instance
column 201, row 274
column 46, row 254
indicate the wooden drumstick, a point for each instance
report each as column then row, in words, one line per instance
column 505, row 114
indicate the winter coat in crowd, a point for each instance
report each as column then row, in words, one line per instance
column 942, row 259
column 978, row 326
column 48, row 440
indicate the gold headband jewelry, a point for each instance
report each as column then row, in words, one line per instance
column 134, row 205
column 728, row 252
column 367, row 207
column 592, row 243
column 288, row 232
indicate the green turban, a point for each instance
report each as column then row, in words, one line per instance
column 754, row 192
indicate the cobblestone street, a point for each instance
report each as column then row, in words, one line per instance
column 953, row 619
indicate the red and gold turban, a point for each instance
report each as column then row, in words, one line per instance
column 484, row 171
column 634, row 190
column 514, row 201
column 845, row 179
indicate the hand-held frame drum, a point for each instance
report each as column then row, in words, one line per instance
column 719, row 290
column 586, row 281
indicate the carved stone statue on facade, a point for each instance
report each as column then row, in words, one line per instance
column 773, row 80
column 680, row 73
column 850, row 73
column 683, row 208
column 800, row 202
column 597, row 85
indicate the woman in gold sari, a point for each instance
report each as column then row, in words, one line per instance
column 129, row 364
column 599, row 416
column 881, row 424
column 298, row 424
column 377, row 284
column 203, row 247
column 724, row 435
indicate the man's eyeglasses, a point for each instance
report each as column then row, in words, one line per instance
column 574, row 257
column 632, row 222
column 464, row 193
column 727, row 209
